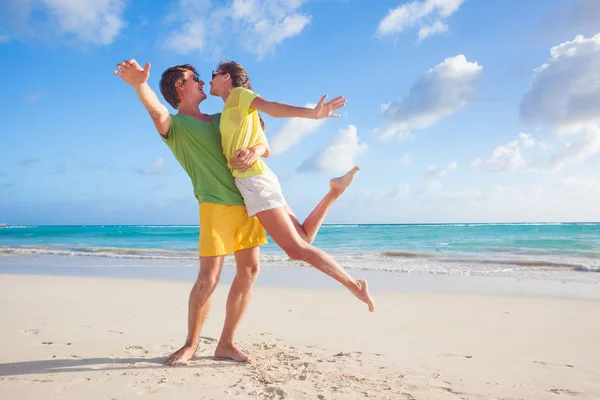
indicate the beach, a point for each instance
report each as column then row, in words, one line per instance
column 106, row 338
column 464, row 311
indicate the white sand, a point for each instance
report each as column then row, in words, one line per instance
column 90, row 338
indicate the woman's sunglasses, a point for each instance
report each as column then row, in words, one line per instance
column 217, row 73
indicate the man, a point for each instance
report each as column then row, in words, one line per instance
column 225, row 227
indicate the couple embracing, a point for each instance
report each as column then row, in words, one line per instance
column 239, row 196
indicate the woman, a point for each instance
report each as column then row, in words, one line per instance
column 244, row 142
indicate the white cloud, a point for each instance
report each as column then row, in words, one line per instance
column 428, row 15
column 432, row 188
column 293, row 131
column 441, row 169
column 429, row 30
column 580, row 182
column 582, row 148
column 158, row 167
column 508, row 157
column 191, row 36
column 439, row 93
column 95, row 22
column 258, row 26
column 545, row 197
column 401, row 192
column 340, row 156
column 565, row 91
column 564, row 94
column 405, row 160
column 398, row 194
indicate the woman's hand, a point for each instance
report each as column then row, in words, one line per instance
column 325, row 110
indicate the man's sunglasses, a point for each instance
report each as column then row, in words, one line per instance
column 217, row 73
column 193, row 77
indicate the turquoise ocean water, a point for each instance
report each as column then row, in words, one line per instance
column 561, row 251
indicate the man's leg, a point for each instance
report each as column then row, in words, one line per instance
column 308, row 230
column 248, row 266
column 198, row 307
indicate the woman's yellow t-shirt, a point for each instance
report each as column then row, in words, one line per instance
column 240, row 129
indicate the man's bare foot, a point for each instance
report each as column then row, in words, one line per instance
column 363, row 294
column 230, row 352
column 181, row 356
column 340, row 184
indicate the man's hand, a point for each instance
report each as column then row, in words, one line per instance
column 324, row 110
column 136, row 76
column 244, row 158
column 131, row 72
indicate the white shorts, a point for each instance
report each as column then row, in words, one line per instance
column 261, row 192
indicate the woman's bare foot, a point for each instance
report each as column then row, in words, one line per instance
column 363, row 294
column 230, row 352
column 340, row 184
column 181, row 356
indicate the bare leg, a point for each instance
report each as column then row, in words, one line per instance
column 280, row 227
column 198, row 307
column 308, row 230
column 248, row 266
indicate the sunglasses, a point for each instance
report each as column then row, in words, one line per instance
column 217, row 73
column 194, row 77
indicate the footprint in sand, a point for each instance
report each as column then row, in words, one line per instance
column 564, row 391
column 553, row 365
column 348, row 354
column 54, row 344
column 31, row 332
column 457, row 355
column 136, row 351
column 272, row 392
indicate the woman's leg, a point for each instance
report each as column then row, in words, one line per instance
column 279, row 225
column 308, row 230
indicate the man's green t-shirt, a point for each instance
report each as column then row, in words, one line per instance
column 197, row 147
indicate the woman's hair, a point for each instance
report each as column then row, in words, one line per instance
column 239, row 76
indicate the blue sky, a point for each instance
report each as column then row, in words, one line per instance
column 458, row 110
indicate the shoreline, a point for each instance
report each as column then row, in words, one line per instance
column 293, row 277
column 74, row 337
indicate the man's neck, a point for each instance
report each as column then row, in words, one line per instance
column 192, row 110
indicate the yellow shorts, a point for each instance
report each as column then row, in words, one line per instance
column 226, row 229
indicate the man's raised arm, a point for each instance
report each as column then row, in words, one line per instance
column 133, row 74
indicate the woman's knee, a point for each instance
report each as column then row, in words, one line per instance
column 305, row 237
column 296, row 250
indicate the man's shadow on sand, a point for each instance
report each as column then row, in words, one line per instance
column 104, row 364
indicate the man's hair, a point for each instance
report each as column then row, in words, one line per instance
column 239, row 76
column 170, row 78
